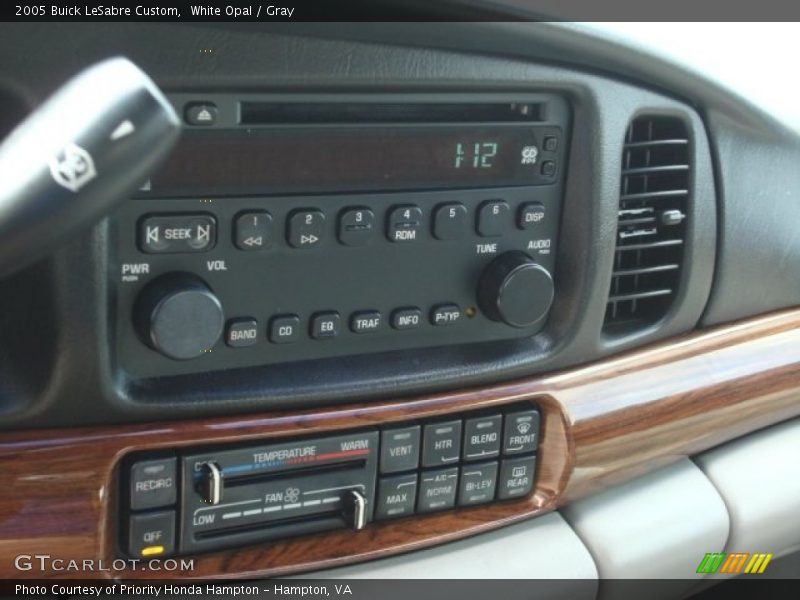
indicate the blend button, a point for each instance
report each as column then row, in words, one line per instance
column 177, row 233
column 482, row 437
column 153, row 483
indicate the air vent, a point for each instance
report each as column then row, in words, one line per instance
column 652, row 223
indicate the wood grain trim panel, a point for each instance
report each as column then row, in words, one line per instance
column 602, row 424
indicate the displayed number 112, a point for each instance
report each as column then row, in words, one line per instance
column 480, row 157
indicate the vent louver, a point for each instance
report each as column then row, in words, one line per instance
column 652, row 223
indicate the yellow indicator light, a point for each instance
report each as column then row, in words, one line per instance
column 152, row 550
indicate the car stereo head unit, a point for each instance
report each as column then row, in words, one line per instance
column 283, row 230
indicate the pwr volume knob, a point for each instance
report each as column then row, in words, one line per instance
column 179, row 316
column 515, row 290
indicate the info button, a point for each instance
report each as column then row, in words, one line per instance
column 170, row 234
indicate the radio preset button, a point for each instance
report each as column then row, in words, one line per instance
column 396, row 496
column 365, row 322
column 151, row 534
column 325, row 325
column 153, row 483
column 171, row 234
column 492, row 218
column 284, row 329
column 437, row 490
column 477, row 484
column 530, row 215
column 445, row 314
column 252, row 231
column 406, row 318
column 450, row 221
column 404, row 223
column 356, row 226
column 241, row 333
column 482, row 437
column 441, row 443
column 305, row 228
column 400, row 449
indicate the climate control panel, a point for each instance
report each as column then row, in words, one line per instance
column 204, row 499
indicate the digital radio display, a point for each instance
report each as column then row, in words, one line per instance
column 354, row 158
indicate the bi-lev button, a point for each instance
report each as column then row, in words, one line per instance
column 170, row 234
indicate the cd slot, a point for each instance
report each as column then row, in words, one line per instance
column 282, row 113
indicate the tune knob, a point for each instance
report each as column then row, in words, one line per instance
column 515, row 290
column 179, row 316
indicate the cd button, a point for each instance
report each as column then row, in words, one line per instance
column 284, row 329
